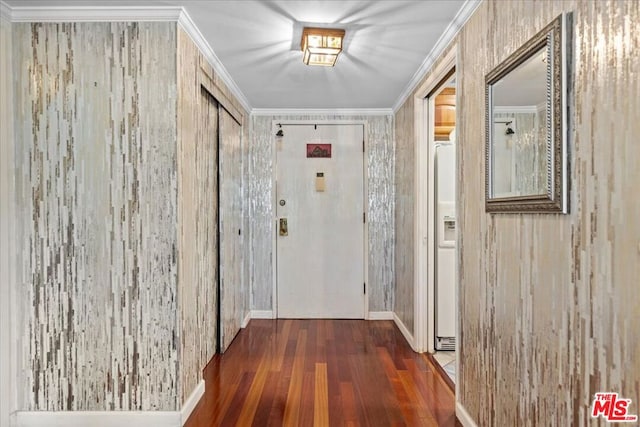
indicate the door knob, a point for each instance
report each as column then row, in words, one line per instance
column 284, row 230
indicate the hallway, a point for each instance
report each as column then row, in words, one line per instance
column 141, row 207
column 322, row 372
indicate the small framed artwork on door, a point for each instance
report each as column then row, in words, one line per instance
column 319, row 151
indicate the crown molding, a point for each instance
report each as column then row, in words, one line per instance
column 322, row 112
column 187, row 24
column 95, row 13
column 515, row 109
column 443, row 42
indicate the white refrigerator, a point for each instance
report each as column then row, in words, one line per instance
column 445, row 246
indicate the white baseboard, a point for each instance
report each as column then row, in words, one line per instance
column 463, row 416
column 98, row 419
column 380, row 315
column 262, row 314
column 405, row 331
column 246, row 320
column 110, row 418
column 191, row 402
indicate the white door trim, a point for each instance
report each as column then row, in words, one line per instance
column 10, row 235
column 424, row 259
column 463, row 415
column 274, row 219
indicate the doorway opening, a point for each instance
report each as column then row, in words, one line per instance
column 442, row 205
column 436, row 263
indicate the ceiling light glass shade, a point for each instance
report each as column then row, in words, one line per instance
column 321, row 46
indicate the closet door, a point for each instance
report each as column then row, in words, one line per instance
column 206, row 222
column 230, row 228
column 197, row 164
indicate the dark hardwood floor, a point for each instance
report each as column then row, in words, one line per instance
column 322, row 373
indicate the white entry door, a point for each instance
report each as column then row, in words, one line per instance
column 320, row 221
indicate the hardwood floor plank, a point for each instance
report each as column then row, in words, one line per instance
column 412, row 412
column 322, row 373
column 276, row 416
column 312, row 346
column 369, row 392
column 254, row 394
column 439, row 405
column 220, row 407
column 336, row 415
column 348, row 400
column 343, row 349
column 292, row 407
column 280, row 343
column 415, row 398
column 321, row 398
column 267, row 401
column 307, row 400
column 233, row 413
column 330, row 329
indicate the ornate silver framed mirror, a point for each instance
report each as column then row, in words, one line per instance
column 526, row 134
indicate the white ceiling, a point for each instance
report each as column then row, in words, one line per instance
column 258, row 42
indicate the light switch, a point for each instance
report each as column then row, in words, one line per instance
column 449, row 229
column 320, row 185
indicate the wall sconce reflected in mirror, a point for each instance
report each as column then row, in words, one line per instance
column 509, row 130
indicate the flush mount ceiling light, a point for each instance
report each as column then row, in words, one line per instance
column 321, row 46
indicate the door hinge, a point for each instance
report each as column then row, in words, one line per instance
column 363, row 145
column 364, row 217
column 364, row 288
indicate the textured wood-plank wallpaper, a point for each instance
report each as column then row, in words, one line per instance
column 404, row 215
column 549, row 310
column 115, row 176
column 96, row 177
column 197, row 218
column 548, row 304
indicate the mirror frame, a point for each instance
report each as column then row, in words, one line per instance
column 555, row 38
